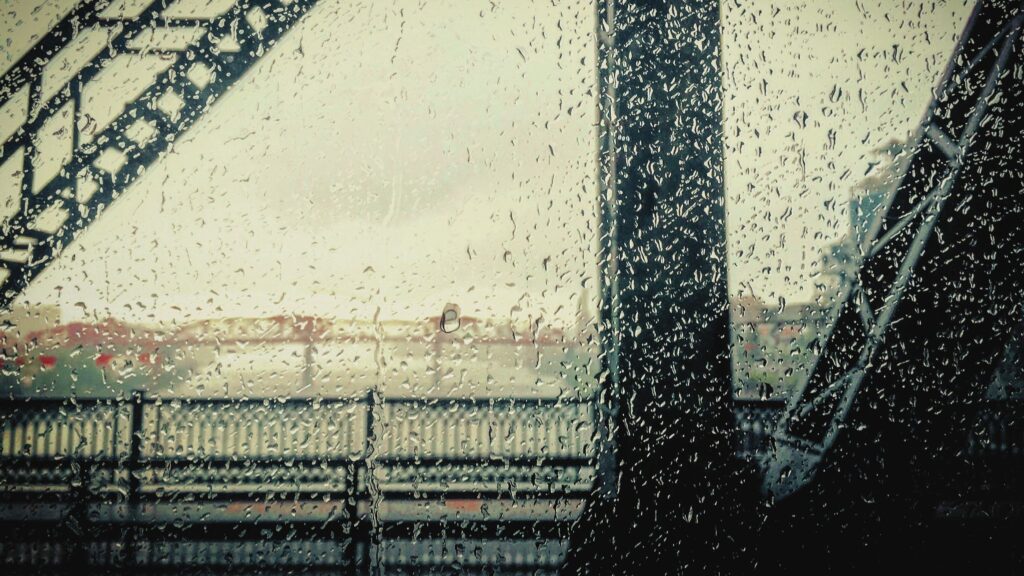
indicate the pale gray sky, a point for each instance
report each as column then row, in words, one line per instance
column 390, row 159
column 379, row 160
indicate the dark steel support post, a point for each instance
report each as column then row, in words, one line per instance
column 353, row 530
column 133, row 466
column 666, row 302
column 135, row 448
column 76, row 524
column 367, row 531
column 870, row 451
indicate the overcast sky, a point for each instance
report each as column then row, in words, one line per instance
column 378, row 161
column 387, row 160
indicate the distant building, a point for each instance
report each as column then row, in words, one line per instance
column 772, row 345
column 22, row 320
column 867, row 199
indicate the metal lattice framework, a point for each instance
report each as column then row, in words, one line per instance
column 104, row 161
column 906, row 238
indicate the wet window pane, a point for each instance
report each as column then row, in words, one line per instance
column 339, row 306
column 875, row 379
column 536, row 287
column 820, row 105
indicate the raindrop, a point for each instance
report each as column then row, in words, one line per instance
column 451, row 318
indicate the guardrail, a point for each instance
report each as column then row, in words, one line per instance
column 999, row 431
column 165, row 482
column 137, row 470
column 138, row 445
column 755, row 424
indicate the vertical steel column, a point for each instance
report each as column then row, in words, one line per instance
column 665, row 296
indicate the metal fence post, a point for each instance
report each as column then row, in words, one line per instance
column 364, row 529
column 352, row 515
column 76, row 523
column 135, row 446
column 133, row 464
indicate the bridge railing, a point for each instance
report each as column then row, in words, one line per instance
column 755, row 424
column 999, row 431
column 140, row 446
column 138, row 453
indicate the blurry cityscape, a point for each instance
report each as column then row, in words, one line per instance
column 292, row 357
column 774, row 343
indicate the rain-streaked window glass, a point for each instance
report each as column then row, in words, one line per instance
column 510, row 287
column 872, row 175
column 339, row 267
column 820, row 103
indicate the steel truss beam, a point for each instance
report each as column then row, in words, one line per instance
column 946, row 233
column 50, row 214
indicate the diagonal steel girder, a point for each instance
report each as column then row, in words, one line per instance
column 50, row 214
column 943, row 249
